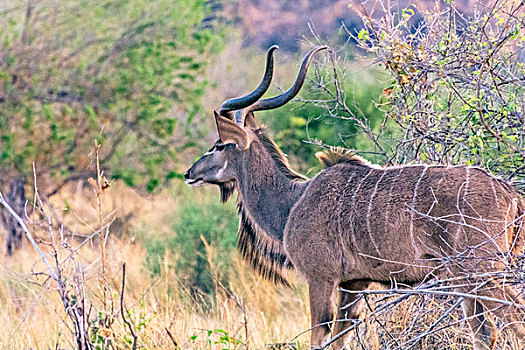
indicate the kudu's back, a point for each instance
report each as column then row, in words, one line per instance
column 377, row 223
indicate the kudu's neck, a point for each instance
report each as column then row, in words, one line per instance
column 266, row 193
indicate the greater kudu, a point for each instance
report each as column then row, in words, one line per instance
column 355, row 223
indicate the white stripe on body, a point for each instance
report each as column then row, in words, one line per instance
column 353, row 206
column 369, row 210
column 387, row 212
column 412, row 240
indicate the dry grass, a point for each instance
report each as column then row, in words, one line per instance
column 33, row 317
column 248, row 313
column 33, row 314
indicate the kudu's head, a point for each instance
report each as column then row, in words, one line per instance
column 238, row 128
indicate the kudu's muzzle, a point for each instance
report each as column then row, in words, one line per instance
column 191, row 179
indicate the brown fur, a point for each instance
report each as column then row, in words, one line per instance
column 267, row 259
column 278, row 157
column 354, row 218
column 356, row 223
column 338, row 155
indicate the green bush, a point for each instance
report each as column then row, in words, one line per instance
column 456, row 86
column 297, row 123
column 199, row 221
column 130, row 74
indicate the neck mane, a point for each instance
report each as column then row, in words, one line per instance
column 279, row 157
column 264, row 250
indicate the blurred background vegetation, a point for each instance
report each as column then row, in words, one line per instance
column 142, row 78
column 129, row 73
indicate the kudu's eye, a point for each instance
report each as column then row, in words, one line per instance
column 221, row 146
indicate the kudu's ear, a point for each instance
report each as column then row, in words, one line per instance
column 250, row 122
column 231, row 132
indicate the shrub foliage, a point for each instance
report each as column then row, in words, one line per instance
column 457, row 93
column 128, row 73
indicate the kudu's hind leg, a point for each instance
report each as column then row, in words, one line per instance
column 321, row 311
column 512, row 316
column 349, row 309
column 484, row 332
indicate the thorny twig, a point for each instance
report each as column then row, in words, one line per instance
column 457, row 94
column 28, row 235
column 135, row 337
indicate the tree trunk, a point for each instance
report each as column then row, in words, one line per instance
column 16, row 198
